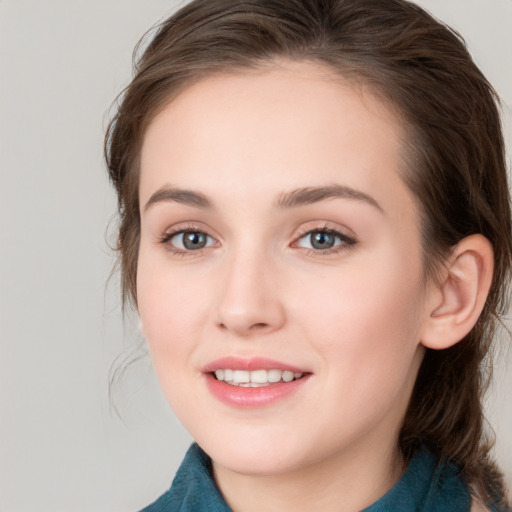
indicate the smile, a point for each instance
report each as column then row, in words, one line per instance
column 255, row 378
column 254, row 382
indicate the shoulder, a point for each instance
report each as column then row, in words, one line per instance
column 193, row 488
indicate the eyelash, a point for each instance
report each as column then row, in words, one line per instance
column 345, row 241
column 166, row 238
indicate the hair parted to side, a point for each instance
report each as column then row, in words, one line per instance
column 455, row 153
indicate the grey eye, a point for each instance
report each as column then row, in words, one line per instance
column 191, row 240
column 322, row 240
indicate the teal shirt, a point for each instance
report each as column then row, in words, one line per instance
column 424, row 487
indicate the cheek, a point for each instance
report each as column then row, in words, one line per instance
column 368, row 345
column 366, row 320
column 169, row 306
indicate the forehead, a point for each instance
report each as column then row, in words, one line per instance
column 289, row 125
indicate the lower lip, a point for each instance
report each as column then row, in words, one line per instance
column 248, row 398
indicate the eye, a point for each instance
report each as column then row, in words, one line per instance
column 189, row 240
column 324, row 240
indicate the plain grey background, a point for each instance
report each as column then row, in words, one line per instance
column 61, row 447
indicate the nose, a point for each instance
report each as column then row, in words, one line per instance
column 250, row 300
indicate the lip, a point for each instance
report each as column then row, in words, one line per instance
column 250, row 364
column 252, row 398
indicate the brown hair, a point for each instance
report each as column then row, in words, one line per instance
column 455, row 152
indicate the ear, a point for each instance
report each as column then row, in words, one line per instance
column 455, row 302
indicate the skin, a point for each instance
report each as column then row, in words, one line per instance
column 354, row 317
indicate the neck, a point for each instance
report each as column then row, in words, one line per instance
column 343, row 482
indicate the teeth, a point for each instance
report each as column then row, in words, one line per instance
column 259, row 376
column 274, row 375
column 287, row 376
column 240, row 376
column 255, row 378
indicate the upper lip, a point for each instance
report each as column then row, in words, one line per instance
column 249, row 364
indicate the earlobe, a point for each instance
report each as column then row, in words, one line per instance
column 455, row 303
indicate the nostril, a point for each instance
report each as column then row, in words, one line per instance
column 259, row 326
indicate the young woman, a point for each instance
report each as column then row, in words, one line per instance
column 315, row 231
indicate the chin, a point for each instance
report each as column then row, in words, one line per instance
column 252, row 463
column 256, row 453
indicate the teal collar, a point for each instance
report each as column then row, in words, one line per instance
column 424, row 487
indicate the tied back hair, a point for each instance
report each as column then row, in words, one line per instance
column 454, row 164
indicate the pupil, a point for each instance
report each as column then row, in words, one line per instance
column 194, row 240
column 322, row 240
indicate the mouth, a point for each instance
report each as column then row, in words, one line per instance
column 255, row 378
column 254, row 382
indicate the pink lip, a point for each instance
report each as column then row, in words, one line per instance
column 249, row 398
column 249, row 364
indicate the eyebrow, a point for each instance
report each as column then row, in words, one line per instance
column 310, row 195
column 188, row 197
column 293, row 199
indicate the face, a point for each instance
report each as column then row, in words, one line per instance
column 280, row 280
